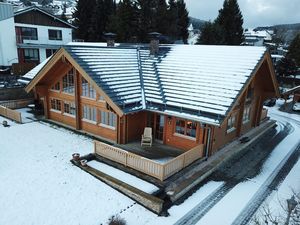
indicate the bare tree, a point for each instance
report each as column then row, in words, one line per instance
column 290, row 214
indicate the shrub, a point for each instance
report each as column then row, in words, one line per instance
column 116, row 220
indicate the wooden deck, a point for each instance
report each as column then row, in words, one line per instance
column 157, row 152
column 165, row 165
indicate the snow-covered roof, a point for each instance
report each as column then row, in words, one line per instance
column 199, row 82
column 32, row 73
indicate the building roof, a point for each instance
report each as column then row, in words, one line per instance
column 35, row 8
column 197, row 82
column 6, row 11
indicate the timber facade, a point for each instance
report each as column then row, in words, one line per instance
column 72, row 96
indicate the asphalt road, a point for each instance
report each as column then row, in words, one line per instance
column 245, row 166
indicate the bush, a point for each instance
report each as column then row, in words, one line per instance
column 116, row 220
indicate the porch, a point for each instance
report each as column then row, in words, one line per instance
column 157, row 152
column 159, row 161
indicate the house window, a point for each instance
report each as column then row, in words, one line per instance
column 108, row 118
column 56, row 87
column 55, row 35
column 187, row 128
column 69, row 108
column 29, row 33
column 231, row 123
column 246, row 114
column 68, row 82
column 55, row 104
column 50, row 52
column 31, row 55
column 89, row 113
column 87, row 89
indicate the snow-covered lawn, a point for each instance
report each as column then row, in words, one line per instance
column 125, row 177
column 41, row 186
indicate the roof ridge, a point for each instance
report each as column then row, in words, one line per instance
column 141, row 78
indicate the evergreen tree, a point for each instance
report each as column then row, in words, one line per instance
column 82, row 18
column 161, row 22
column 231, row 20
column 182, row 21
column 211, row 34
column 125, row 22
column 146, row 18
column 285, row 67
column 294, row 50
column 172, row 18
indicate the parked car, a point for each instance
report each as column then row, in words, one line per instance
column 270, row 102
column 296, row 106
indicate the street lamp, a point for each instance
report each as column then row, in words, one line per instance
column 291, row 203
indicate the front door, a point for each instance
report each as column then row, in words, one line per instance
column 159, row 128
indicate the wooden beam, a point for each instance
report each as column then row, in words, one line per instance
column 44, row 70
column 77, row 101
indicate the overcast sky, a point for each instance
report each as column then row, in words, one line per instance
column 255, row 12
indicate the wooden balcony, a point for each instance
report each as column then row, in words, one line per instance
column 159, row 161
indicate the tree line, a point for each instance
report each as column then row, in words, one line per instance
column 131, row 20
column 226, row 29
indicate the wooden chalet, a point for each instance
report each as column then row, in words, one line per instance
column 188, row 95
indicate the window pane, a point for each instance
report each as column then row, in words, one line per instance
column 55, row 34
column 56, row 87
column 68, row 83
column 191, row 129
column 180, row 126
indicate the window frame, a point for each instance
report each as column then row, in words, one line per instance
column 89, row 114
column 108, row 119
column 55, row 105
column 232, row 125
column 31, row 55
column 246, row 114
column 68, row 82
column 24, row 30
column 54, row 87
column 57, row 37
column 89, row 91
column 71, row 108
column 185, row 129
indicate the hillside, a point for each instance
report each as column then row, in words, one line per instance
column 197, row 23
column 285, row 31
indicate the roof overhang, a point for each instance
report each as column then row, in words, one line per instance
column 35, row 8
column 266, row 58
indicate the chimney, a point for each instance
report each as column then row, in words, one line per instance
column 154, row 42
column 110, row 38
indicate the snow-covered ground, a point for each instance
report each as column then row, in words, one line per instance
column 125, row 177
column 40, row 185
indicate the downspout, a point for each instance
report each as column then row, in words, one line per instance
column 208, row 142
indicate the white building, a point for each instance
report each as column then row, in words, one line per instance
column 8, row 47
column 31, row 35
column 257, row 38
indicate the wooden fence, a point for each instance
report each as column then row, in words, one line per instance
column 16, row 104
column 147, row 166
column 11, row 114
